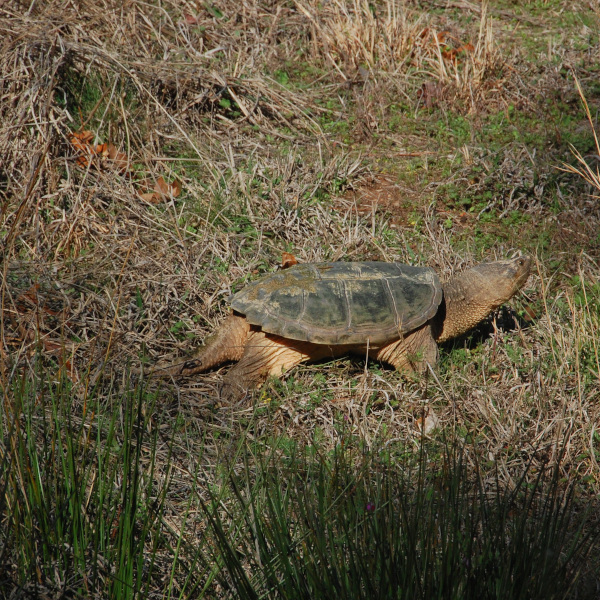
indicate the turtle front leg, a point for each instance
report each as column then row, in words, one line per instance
column 411, row 353
column 267, row 355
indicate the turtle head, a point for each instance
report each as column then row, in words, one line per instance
column 495, row 283
column 471, row 296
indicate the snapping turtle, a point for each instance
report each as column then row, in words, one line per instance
column 395, row 313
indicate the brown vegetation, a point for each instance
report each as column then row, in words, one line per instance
column 155, row 156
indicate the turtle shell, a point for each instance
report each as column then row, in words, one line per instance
column 341, row 302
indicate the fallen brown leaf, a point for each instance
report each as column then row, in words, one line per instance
column 107, row 156
column 100, row 156
column 113, row 157
column 288, row 260
column 81, row 142
column 162, row 191
column 190, row 19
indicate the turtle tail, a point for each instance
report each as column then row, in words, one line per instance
column 227, row 344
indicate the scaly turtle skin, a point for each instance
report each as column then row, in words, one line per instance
column 391, row 312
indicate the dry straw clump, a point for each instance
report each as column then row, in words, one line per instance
column 390, row 40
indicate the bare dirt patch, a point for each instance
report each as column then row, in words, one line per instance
column 382, row 195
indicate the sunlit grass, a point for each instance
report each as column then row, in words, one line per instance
column 389, row 130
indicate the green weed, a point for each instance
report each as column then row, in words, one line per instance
column 330, row 527
column 80, row 499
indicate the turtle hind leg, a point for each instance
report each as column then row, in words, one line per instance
column 412, row 353
column 227, row 344
column 264, row 356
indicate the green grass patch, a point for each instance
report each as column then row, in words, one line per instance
column 341, row 527
column 80, row 499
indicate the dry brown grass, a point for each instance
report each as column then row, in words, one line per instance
column 93, row 277
column 87, row 232
column 393, row 41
